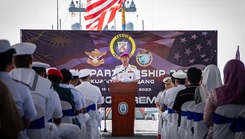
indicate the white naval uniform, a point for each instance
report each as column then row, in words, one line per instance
column 39, row 86
column 83, row 103
column 22, row 97
column 83, row 118
column 92, row 93
column 126, row 74
column 160, row 96
column 160, row 102
column 171, row 94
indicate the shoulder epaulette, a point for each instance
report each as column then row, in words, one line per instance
column 161, row 91
column 133, row 66
column 118, row 66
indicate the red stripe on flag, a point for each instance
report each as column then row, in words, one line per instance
column 97, row 13
column 96, row 19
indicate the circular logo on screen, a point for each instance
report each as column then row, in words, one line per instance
column 122, row 43
column 123, row 108
column 144, row 58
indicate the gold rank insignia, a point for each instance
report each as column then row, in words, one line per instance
column 133, row 66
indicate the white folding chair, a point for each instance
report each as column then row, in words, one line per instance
column 189, row 123
column 240, row 126
column 91, row 109
column 83, row 118
column 182, row 127
column 223, row 117
column 200, row 128
column 37, row 130
column 67, row 111
column 173, row 122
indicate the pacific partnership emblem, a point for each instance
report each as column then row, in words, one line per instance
column 144, row 58
column 122, row 43
column 94, row 57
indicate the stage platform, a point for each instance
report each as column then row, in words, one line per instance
column 143, row 129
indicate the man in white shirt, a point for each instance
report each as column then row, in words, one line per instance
column 39, row 86
column 90, row 92
column 125, row 72
column 67, row 76
column 180, row 85
column 54, row 113
column 20, row 92
column 73, row 82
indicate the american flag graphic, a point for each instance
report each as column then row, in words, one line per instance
column 194, row 47
column 100, row 13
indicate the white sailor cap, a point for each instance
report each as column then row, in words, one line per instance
column 167, row 80
column 40, row 65
column 5, row 46
column 84, row 73
column 75, row 73
column 24, row 48
column 179, row 75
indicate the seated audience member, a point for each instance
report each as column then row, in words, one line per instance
column 90, row 92
column 20, row 92
column 56, row 77
column 73, row 83
column 179, row 78
column 232, row 92
column 10, row 120
column 67, row 76
column 54, row 113
column 193, row 79
column 211, row 79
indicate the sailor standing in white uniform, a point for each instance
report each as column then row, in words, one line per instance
column 20, row 92
column 125, row 72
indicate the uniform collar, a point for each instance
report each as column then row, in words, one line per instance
column 64, row 85
column 4, row 74
column 127, row 66
column 193, row 85
column 25, row 75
